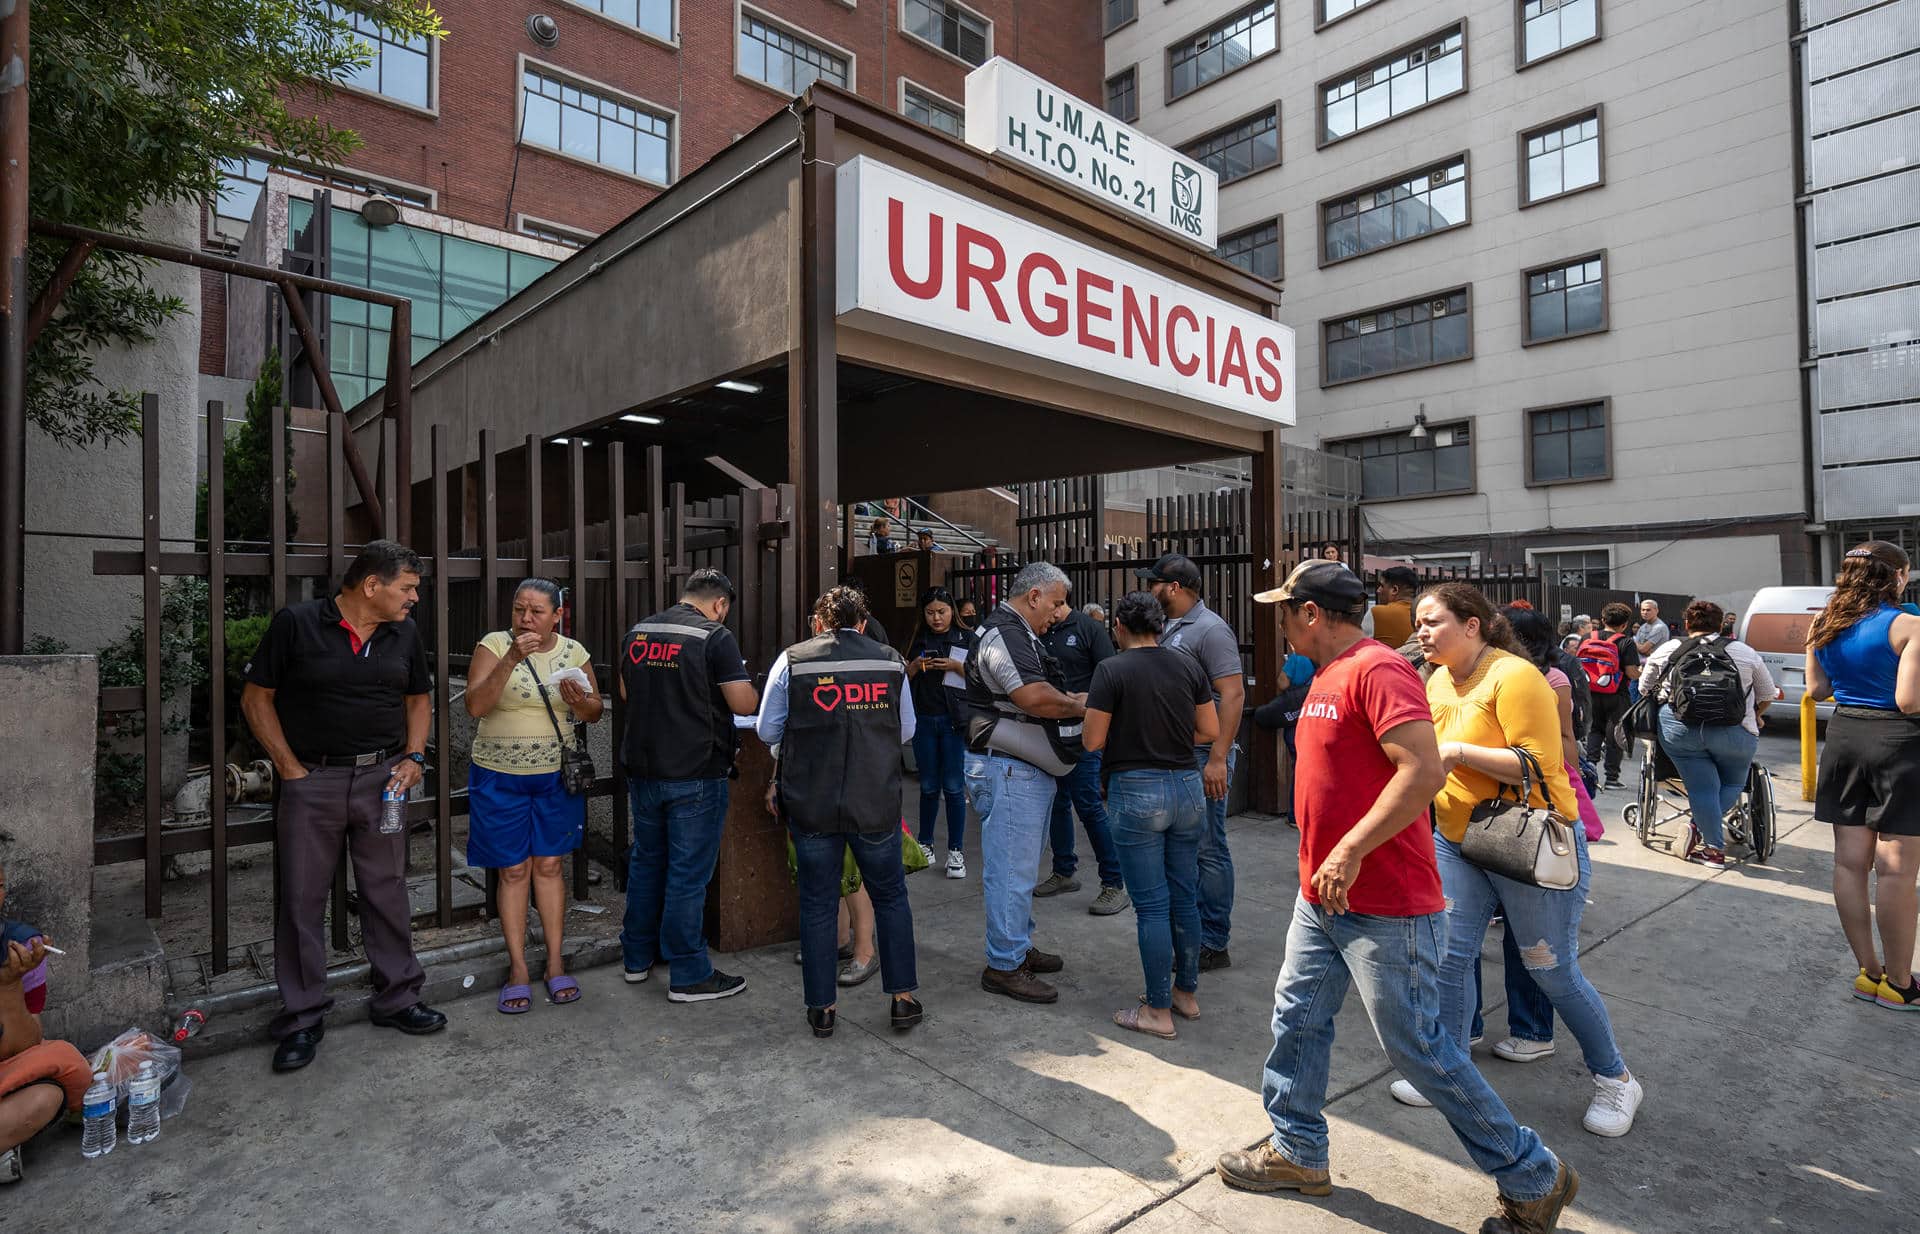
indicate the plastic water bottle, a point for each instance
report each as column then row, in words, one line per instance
column 143, row 1105
column 393, row 811
column 98, row 1135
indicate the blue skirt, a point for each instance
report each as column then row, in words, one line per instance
column 513, row 817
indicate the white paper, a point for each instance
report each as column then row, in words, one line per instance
column 574, row 674
column 958, row 655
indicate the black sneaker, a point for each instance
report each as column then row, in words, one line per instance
column 720, row 985
column 1211, row 959
column 1613, row 782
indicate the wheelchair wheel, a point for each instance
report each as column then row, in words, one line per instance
column 1760, row 818
column 1647, row 810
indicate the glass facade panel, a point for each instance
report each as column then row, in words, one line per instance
column 1120, row 12
column 1431, row 330
column 1563, row 158
column 1239, row 149
column 1403, row 209
column 1550, row 25
column 1215, row 52
column 785, row 61
column 1332, row 10
column 1255, row 250
column 1409, row 78
column 1123, row 95
column 595, row 127
column 653, row 16
column 1566, row 300
column 400, row 67
column 1398, row 464
column 1568, row 443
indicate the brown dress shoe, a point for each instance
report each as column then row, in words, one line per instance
column 1264, row 1169
column 1019, row 983
column 1044, row 961
column 1539, row 1216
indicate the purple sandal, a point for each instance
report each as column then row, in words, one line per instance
column 563, row 985
column 508, row 993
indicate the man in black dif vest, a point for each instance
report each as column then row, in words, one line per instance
column 684, row 681
column 834, row 710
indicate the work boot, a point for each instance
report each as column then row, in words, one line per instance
column 1539, row 1216
column 1018, row 983
column 1211, row 959
column 1043, row 961
column 1264, row 1169
column 1055, row 884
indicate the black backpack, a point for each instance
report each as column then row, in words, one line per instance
column 1703, row 684
column 1569, row 664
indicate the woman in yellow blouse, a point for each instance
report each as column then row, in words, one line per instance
column 1486, row 700
column 521, row 820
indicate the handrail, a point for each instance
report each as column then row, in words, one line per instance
column 909, row 504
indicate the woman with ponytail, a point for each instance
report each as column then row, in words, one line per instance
column 1863, row 652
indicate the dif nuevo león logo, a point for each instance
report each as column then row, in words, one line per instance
column 1187, row 198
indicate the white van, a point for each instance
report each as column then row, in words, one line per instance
column 1775, row 625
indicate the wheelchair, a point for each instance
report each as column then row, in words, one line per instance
column 1660, row 814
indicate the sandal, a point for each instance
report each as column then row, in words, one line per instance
column 1175, row 1008
column 1129, row 1019
column 562, row 989
column 510, row 994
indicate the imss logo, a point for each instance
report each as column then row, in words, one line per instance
column 1188, row 196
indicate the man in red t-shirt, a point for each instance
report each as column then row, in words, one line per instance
column 1370, row 914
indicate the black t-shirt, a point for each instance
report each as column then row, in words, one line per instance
column 1079, row 643
column 1150, row 692
column 930, row 696
column 334, row 701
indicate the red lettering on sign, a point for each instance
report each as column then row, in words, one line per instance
column 922, row 289
column 1084, row 281
column 1191, row 365
column 1235, row 360
column 967, row 272
column 1146, row 325
column 641, row 651
column 1052, row 327
column 1266, row 353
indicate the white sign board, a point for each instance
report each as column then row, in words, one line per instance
column 914, row 258
column 1032, row 121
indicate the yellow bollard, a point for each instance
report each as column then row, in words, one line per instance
column 1809, row 746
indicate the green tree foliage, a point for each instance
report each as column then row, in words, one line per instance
column 133, row 105
column 248, row 467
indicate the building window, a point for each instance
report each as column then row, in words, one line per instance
column 1587, row 567
column 1551, row 26
column 596, row 127
column 784, row 61
column 1255, row 250
column 401, row 66
column 955, row 30
column 1213, row 53
column 1241, row 148
column 1420, row 73
column 1436, row 329
column 242, row 179
column 932, row 110
column 1404, row 208
column 653, row 17
column 1398, row 464
column 1123, row 94
column 1566, row 300
column 1120, row 12
column 1330, row 11
column 1568, row 443
column 553, row 233
column 1560, row 158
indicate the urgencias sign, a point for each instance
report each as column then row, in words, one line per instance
column 1026, row 118
column 916, row 258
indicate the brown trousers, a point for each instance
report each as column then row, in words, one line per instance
column 332, row 807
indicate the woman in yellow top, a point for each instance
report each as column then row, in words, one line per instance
column 521, row 820
column 1486, row 700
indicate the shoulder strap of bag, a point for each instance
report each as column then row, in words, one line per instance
column 548, row 702
column 1529, row 773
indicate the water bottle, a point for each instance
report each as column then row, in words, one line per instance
column 393, row 811
column 143, row 1105
column 98, row 1134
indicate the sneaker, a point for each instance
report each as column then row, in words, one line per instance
column 1264, row 1169
column 926, row 854
column 1614, row 1104
column 1019, row 984
column 1709, row 856
column 720, row 985
column 1110, row 901
column 1539, row 1216
column 1865, row 988
column 1211, row 959
column 1055, row 884
column 635, row 977
column 956, row 863
column 1406, row 1094
column 1888, row 995
column 1613, row 782
column 1520, row 1050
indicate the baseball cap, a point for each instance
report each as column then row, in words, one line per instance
column 1172, row 568
column 1327, row 583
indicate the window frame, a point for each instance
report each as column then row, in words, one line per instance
column 1279, row 150
column 583, row 6
column 1321, row 141
column 1520, row 62
column 526, row 64
column 1321, row 21
column 794, row 30
column 1279, row 247
column 930, row 46
column 1526, row 299
column 1470, row 423
column 523, row 220
column 1132, row 70
column 1463, row 157
column 1605, row 403
column 1598, row 112
column 1106, row 30
column 1212, row 25
column 1404, row 301
column 958, row 109
column 432, row 107
column 1555, row 550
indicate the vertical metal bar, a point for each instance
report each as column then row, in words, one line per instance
column 813, row 419
column 656, row 533
column 14, row 132
column 217, row 664
column 389, row 469
column 536, row 503
column 400, row 401
column 677, row 506
column 577, row 596
column 336, row 570
column 277, row 514
column 489, row 529
column 442, row 692
column 617, row 609
column 150, row 610
column 1267, row 528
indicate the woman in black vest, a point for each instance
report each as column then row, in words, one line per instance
column 834, row 713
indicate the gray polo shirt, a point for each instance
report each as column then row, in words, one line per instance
column 1205, row 635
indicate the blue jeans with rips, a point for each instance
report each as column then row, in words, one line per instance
column 676, row 842
column 1014, row 800
column 818, row 862
column 1156, row 828
column 941, row 755
column 1394, row 962
column 1216, row 864
column 1078, row 792
column 1713, row 761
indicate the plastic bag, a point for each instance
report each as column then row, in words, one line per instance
column 119, row 1061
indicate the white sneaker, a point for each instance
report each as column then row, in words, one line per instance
column 1520, row 1050
column 1406, row 1094
column 1614, row 1104
column 10, row 1171
column 926, row 854
column 956, row 863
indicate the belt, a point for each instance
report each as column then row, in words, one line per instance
column 351, row 760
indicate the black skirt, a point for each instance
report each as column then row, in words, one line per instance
column 1870, row 772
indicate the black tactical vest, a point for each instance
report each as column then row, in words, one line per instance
column 678, row 725
column 840, row 756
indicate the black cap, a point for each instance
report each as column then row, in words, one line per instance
column 1172, row 568
column 1327, row 583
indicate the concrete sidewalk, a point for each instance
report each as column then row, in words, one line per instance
column 1773, row 1099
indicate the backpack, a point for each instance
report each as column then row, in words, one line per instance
column 1600, row 657
column 1582, row 692
column 1703, row 684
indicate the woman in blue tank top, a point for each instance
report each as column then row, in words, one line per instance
column 1863, row 651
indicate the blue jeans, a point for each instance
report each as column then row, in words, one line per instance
column 1078, row 792
column 818, row 862
column 1713, row 761
column 940, row 755
column 1529, row 1013
column 1394, row 962
column 1013, row 799
column 1216, row 864
column 1156, row 826
column 676, row 841
column 1546, row 929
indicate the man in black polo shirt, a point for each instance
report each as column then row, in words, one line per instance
column 684, row 681
column 1078, row 643
column 337, row 694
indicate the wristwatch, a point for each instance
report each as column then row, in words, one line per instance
column 417, row 757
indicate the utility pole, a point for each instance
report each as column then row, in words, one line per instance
column 13, row 325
